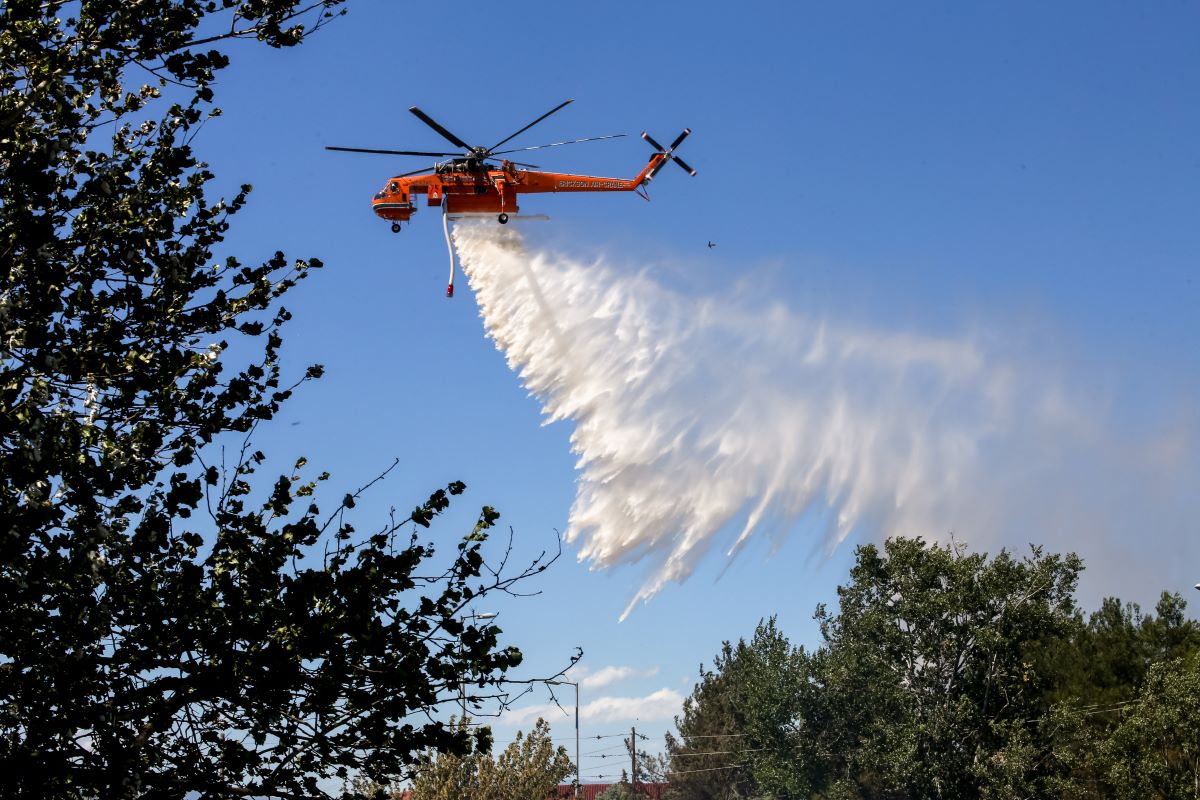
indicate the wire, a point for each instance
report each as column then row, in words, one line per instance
column 710, row 769
column 712, row 736
column 603, row 750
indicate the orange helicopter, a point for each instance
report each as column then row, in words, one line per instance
column 468, row 184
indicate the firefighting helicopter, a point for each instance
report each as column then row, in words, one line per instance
column 470, row 184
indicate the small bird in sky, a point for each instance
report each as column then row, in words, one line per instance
column 711, row 244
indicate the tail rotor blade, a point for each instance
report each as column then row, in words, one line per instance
column 653, row 143
column 447, row 135
column 683, row 164
column 668, row 153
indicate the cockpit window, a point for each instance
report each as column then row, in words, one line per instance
column 395, row 187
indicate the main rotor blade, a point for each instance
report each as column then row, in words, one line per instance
column 557, row 144
column 447, row 135
column 653, row 143
column 518, row 163
column 414, row 172
column 680, row 138
column 681, row 163
column 530, row 125
column 388, row 152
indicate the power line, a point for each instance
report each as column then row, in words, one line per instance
column 716, row 753
column 668, row 772
column 604, row 749
column 710, row 769
column 712, row 736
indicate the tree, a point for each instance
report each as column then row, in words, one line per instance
column 710, row 728
column 530, row 767
column 1106, row 671
column 774, row 688
column 930, row 681
column 1155, row 750
column 621, row 790
column 449, row 776
column 735, row 734
column 176, row 624
column 1107, row 661
column 950, row 674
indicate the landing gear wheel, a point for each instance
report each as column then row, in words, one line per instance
column 395, row 227
column 502, row 219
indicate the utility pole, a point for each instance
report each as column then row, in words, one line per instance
column 633, row 757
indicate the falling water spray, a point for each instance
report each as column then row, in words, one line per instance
column 700, row 420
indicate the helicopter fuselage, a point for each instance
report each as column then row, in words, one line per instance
column 465, row 186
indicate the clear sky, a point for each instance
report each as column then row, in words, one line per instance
column 1014, row 186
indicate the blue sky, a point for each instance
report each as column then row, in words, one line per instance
column 1020, row 179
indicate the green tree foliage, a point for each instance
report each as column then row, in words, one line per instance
column 628, row 789
column 451, row 776
column 935, row 663
column 530, row 767
column 950, row 674
column 1154, row 751
column 652, row 768
column 711, row 728
column 621, row 790
column 931, row 681
column 736, row 725
column 1109, row 659
column 175, row 624
column 774, row 687
column 1106, row 672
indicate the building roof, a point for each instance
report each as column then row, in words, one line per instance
column 590, row 791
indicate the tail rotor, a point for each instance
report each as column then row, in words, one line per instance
column 668, row 153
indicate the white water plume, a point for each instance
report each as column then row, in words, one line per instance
column 695, row 416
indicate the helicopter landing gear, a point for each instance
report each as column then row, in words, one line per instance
column 502, row 219
column 395, row 227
